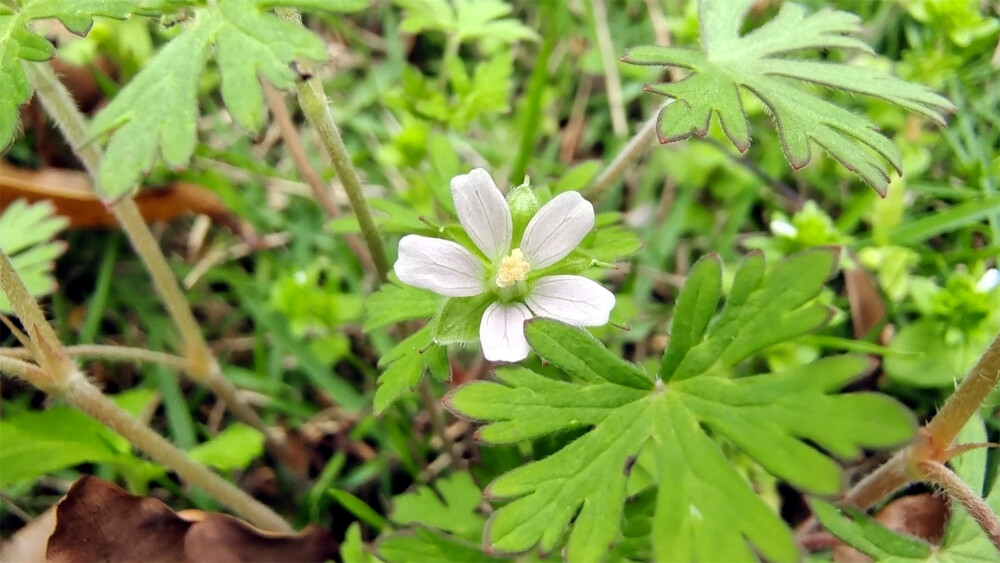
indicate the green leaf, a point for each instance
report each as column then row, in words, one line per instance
column 357, row 507
column 233, row 448
column 352, row 550
column 758, row 62
column 866, row 534
column 18, row 43
column 402, row 375
column 396, row 303
column 458, row 320
column 158, row 109
column 453, row 511
column 762, row 310
column 781, row 420
column 36, row 443
column 429, row 546
column 26, row 233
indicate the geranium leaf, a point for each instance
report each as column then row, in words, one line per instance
column 26, row 236
column 758, row 62
column 781, row 420
column 19, row 43
column 158, row 109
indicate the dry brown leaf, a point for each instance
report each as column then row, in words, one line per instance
column 922, row 516
column 99, row 521
column 70, row 192
column 867, row 306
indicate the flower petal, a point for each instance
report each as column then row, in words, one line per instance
column 483, row 212
column 575, row 300
column 557, row 229
column 442, row 266
column 501, row 332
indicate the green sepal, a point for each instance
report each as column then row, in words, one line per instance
column 457, row 322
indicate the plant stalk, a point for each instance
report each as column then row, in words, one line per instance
column 316, row 108
column 110, row 353
column 939, row 474
column 202, row 365
column 58, row 376
column 941, row 430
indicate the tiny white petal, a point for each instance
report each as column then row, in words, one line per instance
column 557, row 229
column 483, row 212
column 990, row 279
column 575, row 300
column 784, row 229
column 442, row 266
column 501, row 332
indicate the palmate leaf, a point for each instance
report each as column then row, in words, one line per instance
column 26, row 235
column 158, row 109
column 624, row 414
column 756, row 62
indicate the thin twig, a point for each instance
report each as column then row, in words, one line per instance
column 111, row 353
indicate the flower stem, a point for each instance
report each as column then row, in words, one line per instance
column 315, row 106
column 58, row 376
column 201, row 362
column 276, row 102
column 939, row 474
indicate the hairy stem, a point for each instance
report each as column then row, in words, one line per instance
column 966, row 400
column 110, row 353
column 941, row 430
column 58, row 376
column 90, row 400
column 276, row 102
column 20, row 369
column 939, row 474
column 315, row 106
column 201, row 362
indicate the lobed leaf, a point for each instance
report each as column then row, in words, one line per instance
column 667, row 426
column 26, row 235
column 158, row 109
column 729, row 63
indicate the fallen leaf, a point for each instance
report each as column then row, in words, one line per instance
column 867, row 306
column 99, row 521
column 70, row 192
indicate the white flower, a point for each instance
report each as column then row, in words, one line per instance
column 449, row 269
column 989, row 280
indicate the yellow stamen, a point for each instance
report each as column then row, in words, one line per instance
column 513, row 268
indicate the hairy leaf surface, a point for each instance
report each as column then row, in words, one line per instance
column 759, row 62
column 158, row 109
column 781, row 420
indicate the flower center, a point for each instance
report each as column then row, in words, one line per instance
column 513, row 268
